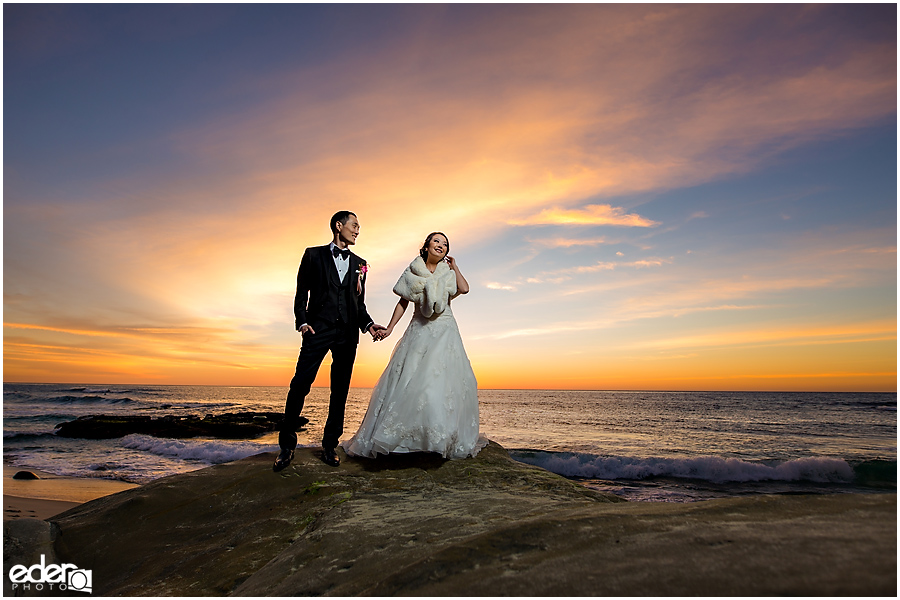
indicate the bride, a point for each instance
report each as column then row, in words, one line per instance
column 426, row 400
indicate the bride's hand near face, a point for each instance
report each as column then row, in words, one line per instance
column 462, row 286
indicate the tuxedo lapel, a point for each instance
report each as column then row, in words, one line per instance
column 330, row 270
column 353, row 266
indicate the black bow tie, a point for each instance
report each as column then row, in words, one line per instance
column 335, row 251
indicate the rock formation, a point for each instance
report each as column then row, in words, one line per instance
column 420, row 525
column 226, row 426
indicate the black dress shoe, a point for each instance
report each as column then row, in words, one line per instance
column 283, row 460
column 330, row 457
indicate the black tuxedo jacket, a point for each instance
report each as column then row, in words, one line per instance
column 318, row 287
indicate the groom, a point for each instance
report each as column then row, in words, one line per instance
column 328, row 308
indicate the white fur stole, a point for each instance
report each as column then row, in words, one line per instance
column 430, row 291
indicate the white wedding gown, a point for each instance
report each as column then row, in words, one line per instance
column 427, row 398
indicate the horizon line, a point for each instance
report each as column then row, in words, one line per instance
column 495, row 389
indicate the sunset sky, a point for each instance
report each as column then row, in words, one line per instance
column 687, row 197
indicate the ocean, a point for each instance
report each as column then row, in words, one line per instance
column 643, row 446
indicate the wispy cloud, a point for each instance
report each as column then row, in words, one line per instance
column 493, row 285
column 592, row 214
column 565, row 273
column 567, row 242
column 612, row 321
column 781, row 336
column 612, row 265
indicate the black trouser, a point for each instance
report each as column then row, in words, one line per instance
column 312, row 352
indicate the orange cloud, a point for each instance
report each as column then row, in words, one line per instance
column 593, row 214
column 568, row 243
column 509, row 128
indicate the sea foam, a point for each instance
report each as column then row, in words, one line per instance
column 708, row 468
column 207, row 451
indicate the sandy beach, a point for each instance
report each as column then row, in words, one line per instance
column 419, row 525
column 16, row 507
column 51, row 494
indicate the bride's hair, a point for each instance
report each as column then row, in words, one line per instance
column 423, row 251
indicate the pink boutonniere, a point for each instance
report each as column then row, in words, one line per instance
column 360, row 274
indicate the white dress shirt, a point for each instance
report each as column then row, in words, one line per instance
column 342, row 264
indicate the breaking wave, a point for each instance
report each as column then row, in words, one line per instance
column 208, row 451
column 708, row 468
column 84, row 400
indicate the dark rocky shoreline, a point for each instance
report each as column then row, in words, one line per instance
column 239, row 425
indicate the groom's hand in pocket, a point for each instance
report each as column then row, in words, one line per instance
column 304, row 329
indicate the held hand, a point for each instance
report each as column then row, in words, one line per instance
column 385, row 332
column 374, row 330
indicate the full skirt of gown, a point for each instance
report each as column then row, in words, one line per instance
column 427, row 398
